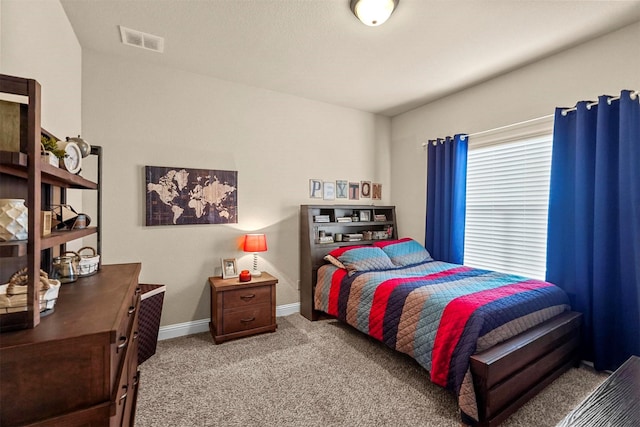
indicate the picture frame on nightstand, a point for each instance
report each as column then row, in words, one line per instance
column 229, row 268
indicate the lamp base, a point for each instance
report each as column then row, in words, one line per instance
column 256, row 273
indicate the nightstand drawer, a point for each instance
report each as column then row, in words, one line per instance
column 246, row 297
column 237, row 320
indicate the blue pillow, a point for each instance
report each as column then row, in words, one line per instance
column 365, row 258
column 404, row 252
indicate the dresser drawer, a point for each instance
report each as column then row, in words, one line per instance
column 244, row 297
column 122, row 396
column 242, row 319
column 123, row 335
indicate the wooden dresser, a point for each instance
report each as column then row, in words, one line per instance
column 79, row 366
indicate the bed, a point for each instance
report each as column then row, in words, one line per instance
column 494, row 340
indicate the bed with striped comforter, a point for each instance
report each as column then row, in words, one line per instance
column 438, row 313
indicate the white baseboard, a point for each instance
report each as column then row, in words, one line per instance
column 199, row 326
column 181, row 329
column 287, row 309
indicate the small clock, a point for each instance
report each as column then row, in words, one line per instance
column 72, row 156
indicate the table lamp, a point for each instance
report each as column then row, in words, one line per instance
column 255, row 243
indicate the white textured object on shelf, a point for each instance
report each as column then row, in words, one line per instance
column 14, row 220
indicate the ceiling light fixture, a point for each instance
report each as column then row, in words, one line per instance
column 373, row 12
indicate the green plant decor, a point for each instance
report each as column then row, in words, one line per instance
column 50, row 144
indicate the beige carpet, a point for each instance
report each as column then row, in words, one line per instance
column 313, row 374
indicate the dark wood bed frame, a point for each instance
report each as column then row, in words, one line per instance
column 505, row 376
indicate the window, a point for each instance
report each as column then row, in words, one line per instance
column 508, row 174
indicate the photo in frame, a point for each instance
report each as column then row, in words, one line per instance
column 229, row 268
column 365, row 216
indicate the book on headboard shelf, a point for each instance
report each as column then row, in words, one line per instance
column 321, row 218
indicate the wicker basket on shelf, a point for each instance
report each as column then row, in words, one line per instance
column 88, row 264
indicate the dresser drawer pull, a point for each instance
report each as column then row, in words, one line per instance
column 247, row 297
column 124, row 395
column 124, row 342
column 251, row 319
column 135, row 335
column 138, row 290
column 135, row 381
column 132, row 309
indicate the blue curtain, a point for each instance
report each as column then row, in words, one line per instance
column 593, row 246
column 446, row 198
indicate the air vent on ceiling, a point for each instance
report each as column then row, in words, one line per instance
column 142, row 40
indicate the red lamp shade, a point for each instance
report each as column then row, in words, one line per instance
column 255, row 243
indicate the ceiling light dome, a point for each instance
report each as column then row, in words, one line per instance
column 373, row 12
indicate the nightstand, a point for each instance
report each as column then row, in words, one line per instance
column 240, row 309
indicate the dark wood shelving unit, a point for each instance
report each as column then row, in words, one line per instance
column 40, row 184
column 79, row 364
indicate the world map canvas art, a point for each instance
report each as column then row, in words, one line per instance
column 177, row 196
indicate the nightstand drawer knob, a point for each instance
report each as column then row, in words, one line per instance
column 247, row 297
column 251, row 319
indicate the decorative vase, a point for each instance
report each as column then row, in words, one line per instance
column 14, row 220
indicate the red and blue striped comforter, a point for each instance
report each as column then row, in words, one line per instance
column 439, row 313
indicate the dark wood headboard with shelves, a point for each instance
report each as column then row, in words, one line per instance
column 327, row 219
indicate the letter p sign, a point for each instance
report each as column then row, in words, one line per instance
column 315, row 188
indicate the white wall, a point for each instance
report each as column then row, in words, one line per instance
column 602, row 66
column 144, row 115
column 37, row 42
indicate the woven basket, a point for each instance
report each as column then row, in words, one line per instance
column 88, row 264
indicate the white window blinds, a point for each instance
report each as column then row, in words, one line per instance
column 507, row 198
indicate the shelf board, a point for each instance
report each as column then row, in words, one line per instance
column 60, row 237
column 19, row 248
column 349, row 243
column 352, row 223
column 15, row 164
